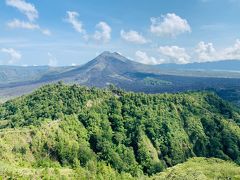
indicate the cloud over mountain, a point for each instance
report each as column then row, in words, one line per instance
column 207, row 52
column 169, row 25
column 14, row 55
column 175, row 54
column 133, row 36
column 104, row 32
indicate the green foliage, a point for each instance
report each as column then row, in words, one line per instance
column 201, row 169
column 119, row 132
column 155, row 82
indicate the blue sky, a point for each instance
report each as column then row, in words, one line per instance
column 69, row 32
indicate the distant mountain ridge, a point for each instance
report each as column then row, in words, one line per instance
column 224, row 65
column 12, row 74
column 113, row 68
column 115, row 65
column 105, row 68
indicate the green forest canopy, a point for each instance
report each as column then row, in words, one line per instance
column 130, row 133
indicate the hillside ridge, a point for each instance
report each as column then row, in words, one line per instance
column 135, row 133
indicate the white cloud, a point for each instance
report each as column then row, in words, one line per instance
column 143, row 57
column 14, row 55
column 26, row 8
column 104, row 33
column 207, row 52
column 32, row 14
column 133, row 36
column 232, row 52
column 72, row 18
column 52, row 61
column 174, row 54
column 169, row 25
column 27, row 25
column 22, row 24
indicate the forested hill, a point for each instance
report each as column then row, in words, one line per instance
column 136, row 133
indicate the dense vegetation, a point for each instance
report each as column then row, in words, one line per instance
column 112, row 133
column 154, row 82
column 230, row 94
column 201, row 169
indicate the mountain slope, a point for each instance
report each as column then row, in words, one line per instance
column 25, row 153
column 114, row 65
column 106, row 67
column 133, row 132
column 10, row 74
column 113, row 68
